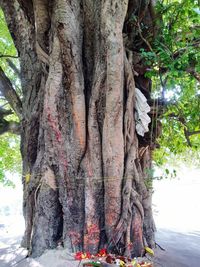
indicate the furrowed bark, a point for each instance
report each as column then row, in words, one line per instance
column 66, row 134
column 83, row 175
column 69, row 28
column 94, row 232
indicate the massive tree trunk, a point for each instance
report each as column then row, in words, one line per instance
column 84, row 168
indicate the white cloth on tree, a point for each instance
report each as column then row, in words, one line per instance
column 141, row 110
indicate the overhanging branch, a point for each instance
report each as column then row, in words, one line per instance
column 10, row 94
column 187, row 133
column 8, row 56
column 193, row 133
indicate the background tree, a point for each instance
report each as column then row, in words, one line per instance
column 85, row 170
column 10, row 158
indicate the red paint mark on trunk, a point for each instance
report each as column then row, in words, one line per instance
column 53, row 123
column 75, row 237
column 63, row 159
column 91, row 237
column 89, row 168
column 138, row 246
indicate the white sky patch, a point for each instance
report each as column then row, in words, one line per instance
column 176, row 201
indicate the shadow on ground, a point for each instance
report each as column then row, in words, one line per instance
column 10, row 251
column 177, row 218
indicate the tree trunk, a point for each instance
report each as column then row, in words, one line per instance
column 84, row 169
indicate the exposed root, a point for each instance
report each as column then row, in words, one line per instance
column 129, row 126
column 135, row 196
column 159, row 246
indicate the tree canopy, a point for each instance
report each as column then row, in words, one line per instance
column 173, row 58
column 10, row 158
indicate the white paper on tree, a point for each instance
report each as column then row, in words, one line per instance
column 141, row 109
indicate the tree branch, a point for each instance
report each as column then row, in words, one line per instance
column 13, row 67
column 195, row 74
column 7, row 56
column 10, row 94
column 187, row 133
column 9, row 126
column 181, row 51
column 4, row 112
column 187, row 137
column 142, row 37
column 20, row 21
column 193, row 133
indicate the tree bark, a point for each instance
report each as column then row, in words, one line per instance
column 83, row 173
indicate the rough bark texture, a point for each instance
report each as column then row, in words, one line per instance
column 84, row 168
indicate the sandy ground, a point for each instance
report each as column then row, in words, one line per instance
column 177, row 214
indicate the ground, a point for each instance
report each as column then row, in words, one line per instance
column 176, row 209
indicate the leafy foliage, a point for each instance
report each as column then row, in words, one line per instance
column 10, row 158
column 6, row 42
column 165, row 173
column 175, row 57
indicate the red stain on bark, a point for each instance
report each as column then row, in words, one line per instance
column 63, row 159
column 75, row 237
column 91, row 236
column 137, row 233
column 54, row 126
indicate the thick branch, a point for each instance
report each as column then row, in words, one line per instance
column 20, row 21
column 181, row 51
column 9, row 126
column 195, row 74
column 4, row 112
column 10, row 94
